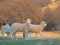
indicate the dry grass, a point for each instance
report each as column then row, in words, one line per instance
column 45, row 34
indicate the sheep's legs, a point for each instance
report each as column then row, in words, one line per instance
column 30, row 35
column 13, row 37
column 13, row 32
column 36, row 35
column 8, row 35
column 40, row 35
column 25, row 34
column 2, row 33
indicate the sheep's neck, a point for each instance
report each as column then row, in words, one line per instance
column 41, row 26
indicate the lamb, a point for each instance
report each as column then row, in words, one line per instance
column 27, row 27
column 6, row 29
column 21, row 27
column 36, row 28
column 15, row 27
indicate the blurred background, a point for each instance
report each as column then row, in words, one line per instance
column 37, row 10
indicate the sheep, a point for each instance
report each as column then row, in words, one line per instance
column 16, row 27
column 21, row 27
column 27, row 27
column 36, row 28
column 6, row 29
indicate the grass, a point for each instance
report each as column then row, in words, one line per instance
column 7, row 41
column 30, row 42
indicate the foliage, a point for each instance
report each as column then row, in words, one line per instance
column 19, row 10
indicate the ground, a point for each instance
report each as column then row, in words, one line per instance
column 53, row 40
column 30, row 42
column 51, row 34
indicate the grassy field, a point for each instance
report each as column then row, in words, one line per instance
column 30, row 42
column 45, row 41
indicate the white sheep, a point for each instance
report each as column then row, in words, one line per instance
column 21, row 27
column 27, row 27
column 17, row 27
column 6, row 29
column 36, row 28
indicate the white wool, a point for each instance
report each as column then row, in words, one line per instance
column 37, row 28
column 17, row 27
column 6, row 29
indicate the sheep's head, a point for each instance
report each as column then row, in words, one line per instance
column 44, row 23
column 28, row 21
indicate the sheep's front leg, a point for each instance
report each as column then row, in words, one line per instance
column 13, row 35
column 40, row 35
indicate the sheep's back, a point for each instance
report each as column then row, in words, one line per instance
column 34, row 28
column 17, row 27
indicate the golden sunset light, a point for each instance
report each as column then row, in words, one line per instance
column 29, row 22
column 53, row 5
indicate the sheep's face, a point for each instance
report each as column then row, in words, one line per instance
column 44, row 23
column 28, row 20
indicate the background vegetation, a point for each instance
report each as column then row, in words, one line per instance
column 19, row 10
